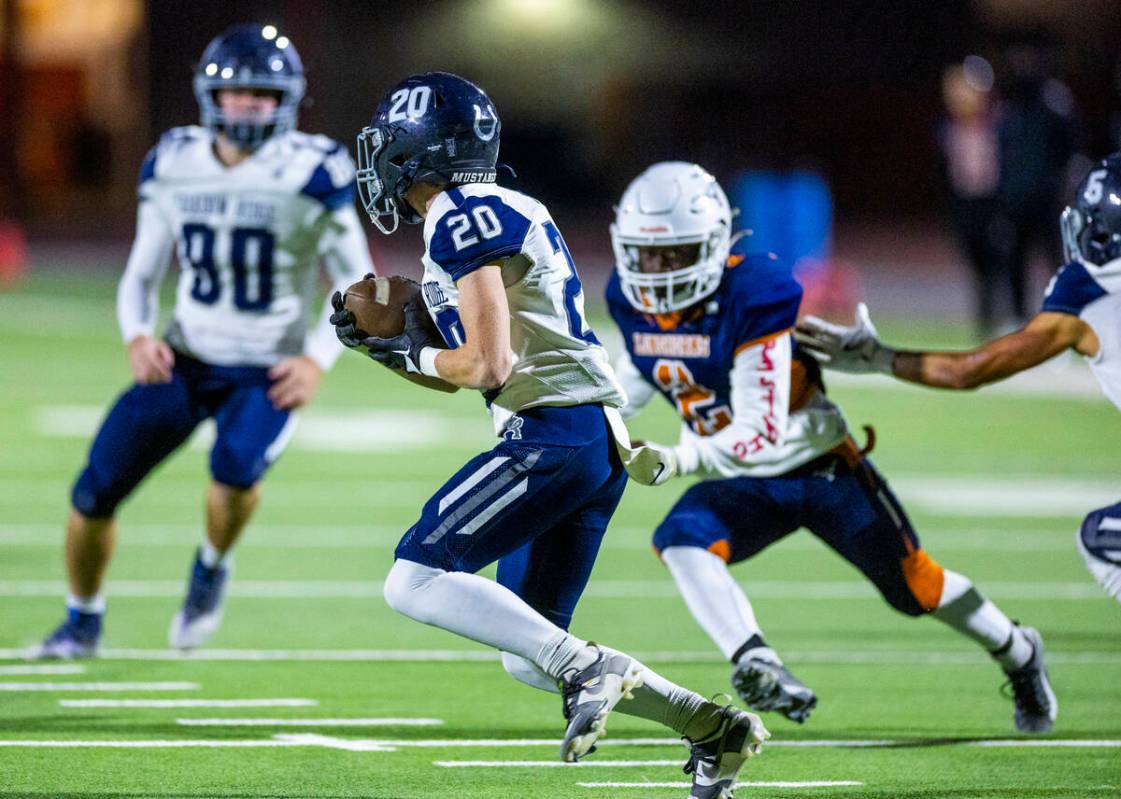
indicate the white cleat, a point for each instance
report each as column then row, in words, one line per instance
column 715, row 761
column 591, row 694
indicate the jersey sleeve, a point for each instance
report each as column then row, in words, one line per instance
column 760, row 381
column 332, row 182
column 765, row 302
column 138, row 291
column 1071, row 290
column 476, row 232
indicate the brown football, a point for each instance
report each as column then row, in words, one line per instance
column 378, row 305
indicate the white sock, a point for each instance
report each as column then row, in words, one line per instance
column 484, row 611
column 211, row 558
column 94, row 604
column 964, row 608
column 716, row 601
column 685, row 712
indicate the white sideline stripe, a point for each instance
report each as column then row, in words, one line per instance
column 808, row 590
column 1076, row 743
column 553, row 763
column 781, row 784
column 470, row 482
column 379, row 722
column 99, row 686
column 58, row 669
column 829, row 657
column 170, row 703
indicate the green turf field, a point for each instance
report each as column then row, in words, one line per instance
column 996, row 483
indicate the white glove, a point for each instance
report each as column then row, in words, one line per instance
column 846, row 348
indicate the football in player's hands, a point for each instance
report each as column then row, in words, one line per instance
column 377, row 307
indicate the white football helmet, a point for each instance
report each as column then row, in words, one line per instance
column 672, row 203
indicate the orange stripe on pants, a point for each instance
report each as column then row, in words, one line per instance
column 924, row 577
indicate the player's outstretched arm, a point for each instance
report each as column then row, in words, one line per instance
column 1044, row 337
column 857, row 348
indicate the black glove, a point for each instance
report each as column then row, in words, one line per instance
column 346, row 326
column 401, row 352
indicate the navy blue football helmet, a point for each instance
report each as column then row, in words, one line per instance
column 1092, row 223
column 250, row 56
column 434, row 127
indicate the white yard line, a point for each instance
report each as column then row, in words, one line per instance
column 98, row 686
column 375, row 722
column 831, row 657
column 65, row 668
column 180, row 703
column 686, row 785
column 379, row 745
column 186, row 744
column 636, row 539
column 554, row 763
column 793, row 590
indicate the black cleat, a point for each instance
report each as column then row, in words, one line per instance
column 765, row 685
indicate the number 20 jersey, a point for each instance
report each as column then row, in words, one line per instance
column 248, row 239
column 557, row 358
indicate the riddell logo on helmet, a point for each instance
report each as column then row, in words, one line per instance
column 485, row 176
column 658, row 229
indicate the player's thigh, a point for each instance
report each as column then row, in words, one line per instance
column 734, row 518
column 501, row 500
column 251, row 435
column 145, row 425
column 857, row 514
column 551, row 572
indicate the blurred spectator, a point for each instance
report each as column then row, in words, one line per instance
column 1036, row 139
column 969, row 143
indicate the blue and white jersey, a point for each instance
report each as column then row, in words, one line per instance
column 1093, row 294
column 557, row 359
column 249, row 240
column 748, row 406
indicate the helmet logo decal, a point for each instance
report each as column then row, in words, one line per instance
column 409, row 103
column 489, row 117
column 1093, row 192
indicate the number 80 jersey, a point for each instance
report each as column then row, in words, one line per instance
column 249, row 239
column 557, row 358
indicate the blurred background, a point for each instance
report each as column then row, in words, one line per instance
column 915, row 154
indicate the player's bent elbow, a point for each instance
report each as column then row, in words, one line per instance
column 492, row 372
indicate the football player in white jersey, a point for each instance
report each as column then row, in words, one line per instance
column 707, row 323
column 1081, row 312
column 250, row 206
column 501, row 286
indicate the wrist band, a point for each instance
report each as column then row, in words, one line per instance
column 426, row 362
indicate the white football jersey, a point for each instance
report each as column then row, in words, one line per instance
column 557, row 358
column 249, row 240
column 1093, row 293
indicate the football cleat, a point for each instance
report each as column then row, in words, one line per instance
column 715, row 761
column 77, row 637
column 766, row 685
column 590, row 694
column 1036, row 705
column 201, row 613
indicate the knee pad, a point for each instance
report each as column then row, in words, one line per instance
column 405, row 585
column 93, row 499
column 527, row 672
column 237, row 468
column 667, row 536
